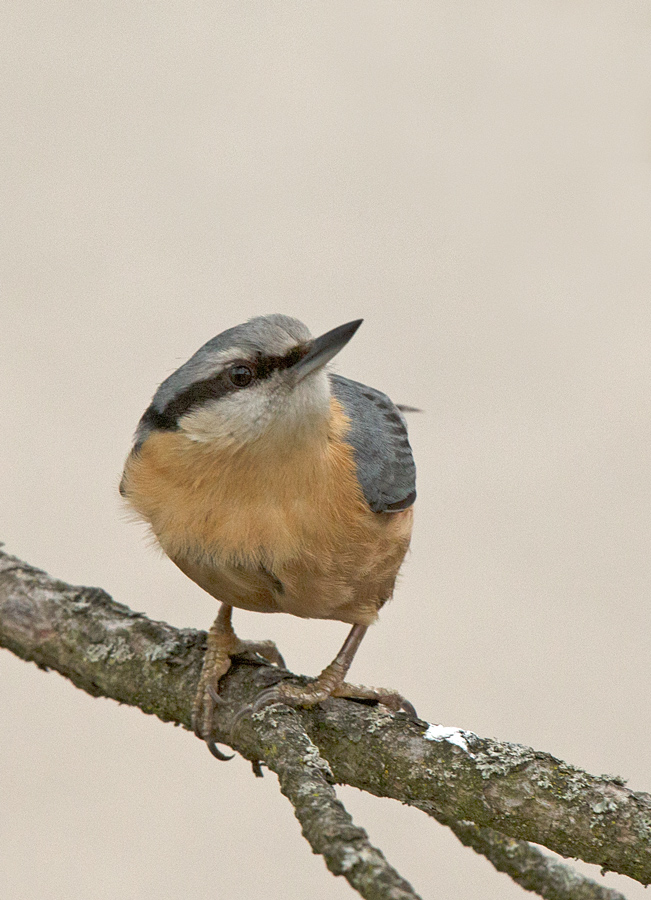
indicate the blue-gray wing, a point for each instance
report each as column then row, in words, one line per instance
column 378, row 435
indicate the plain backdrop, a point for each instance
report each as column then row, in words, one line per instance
column 471, row 178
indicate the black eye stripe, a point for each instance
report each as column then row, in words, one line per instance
column 267, row 365
column 218, row 386
column 194, row 396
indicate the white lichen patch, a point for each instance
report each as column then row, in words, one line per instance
column 455, row 736
column 380, row 720
column 604, row 806
column 116, row 650
column 165, row 650
column 501, row 759
column 314, row 760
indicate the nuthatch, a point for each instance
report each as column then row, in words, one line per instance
column 276, row 487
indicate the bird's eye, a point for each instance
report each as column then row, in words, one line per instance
column 240, row 375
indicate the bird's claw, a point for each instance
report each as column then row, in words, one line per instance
column 393, row 701
column 268, row 652
column 222, row 647
column 270, row 696
column 409, row 708
column 216, row 752
column 202, row 719
column 259, row 653
column 214, row 696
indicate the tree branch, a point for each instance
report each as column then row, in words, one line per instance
column 457, row 777
column 305, row 779
column 531, row 869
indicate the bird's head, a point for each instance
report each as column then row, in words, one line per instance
column 265, row 377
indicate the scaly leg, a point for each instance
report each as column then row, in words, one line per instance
column 330, row 683
column 222, row 644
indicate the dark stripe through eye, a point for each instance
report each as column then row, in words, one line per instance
column 236, row 377
column 266, row 365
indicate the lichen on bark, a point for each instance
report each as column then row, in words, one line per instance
column 504, row 791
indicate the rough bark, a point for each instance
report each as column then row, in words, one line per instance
column 531, row 869
column 457, row 777
column 305, row 779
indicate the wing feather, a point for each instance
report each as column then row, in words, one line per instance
column 378, row 435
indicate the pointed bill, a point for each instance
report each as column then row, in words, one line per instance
column 324, row 348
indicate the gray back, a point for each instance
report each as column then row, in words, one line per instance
column 378, row 435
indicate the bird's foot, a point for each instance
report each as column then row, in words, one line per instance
column 330, row 683
column 222, row 645
column 294, row 695
column 307, row 696
column 391, row 699
column 207, row 699
column 259, row 651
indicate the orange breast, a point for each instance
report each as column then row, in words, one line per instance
column 294, row 512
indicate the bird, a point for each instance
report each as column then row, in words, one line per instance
column 276, row 485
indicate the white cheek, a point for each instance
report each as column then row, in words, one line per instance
column 267, row 409
column 232, row 420
column 308, row 403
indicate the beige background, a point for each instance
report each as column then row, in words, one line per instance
column 473, row 179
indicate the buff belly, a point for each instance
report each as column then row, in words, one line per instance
column 296, row 538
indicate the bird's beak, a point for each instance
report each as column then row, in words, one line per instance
column 323, row 349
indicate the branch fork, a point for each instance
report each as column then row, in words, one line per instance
column 496, row 797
